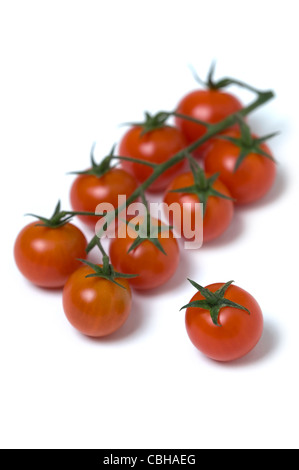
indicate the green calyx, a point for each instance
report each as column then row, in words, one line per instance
column 210, row 82
column 98, row 169
column 203, row 186
column 106, row 271
column 59, row 217
column 214, row 301
column 147, row 230
column 215, row 85
column 152, row 122
column 248, row 144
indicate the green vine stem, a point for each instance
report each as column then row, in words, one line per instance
column 212, row 130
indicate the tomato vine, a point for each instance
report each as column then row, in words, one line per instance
column 212, row 130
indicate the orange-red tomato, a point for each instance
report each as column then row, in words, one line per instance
column 254, row 177
column 95, row 306
column 219, row 212
column 48, row 256
column 238, row 333
column 156, row 146
column 89, row 190
column 211, row 106
column 153, row 267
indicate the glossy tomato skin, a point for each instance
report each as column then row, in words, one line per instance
column 157, row 146
column 239, row 332
column 211, row 106
column 152, row 266
column 95, row 306
column 219, row 212
column 253, row 179
column 89, row 190
column 48, row 256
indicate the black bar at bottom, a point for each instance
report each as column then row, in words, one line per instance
column 120, row 459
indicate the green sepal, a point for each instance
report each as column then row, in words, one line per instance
column 59, row 217
column 147, row 231
column 98, row 169
column 213, row 301
column 221, row 292
column 203, row 186
column 106, row 271
column 247, row 143
column 151, row 122
column 208, row 295
column 137, row 242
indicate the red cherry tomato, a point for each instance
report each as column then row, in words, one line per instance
column 238, row 333
column 48, row 256
column 88, row 191
column 219, row 212
column 253, row 179
column 95, row 306
column 153, row 267
column 211, row 106
column 156, row 146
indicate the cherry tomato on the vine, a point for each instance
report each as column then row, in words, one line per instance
column 96, row 306
column 211, row 106
column 225, row 329
column 89, row 190
column 218, row 214
column 252, row 179
column 156, row 146
column 153, row 267
column 48, row 256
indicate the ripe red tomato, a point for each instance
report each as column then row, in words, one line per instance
column 153, row 267
column 96, row 306
column 238, row 333
column 48, row 256
column 219, row 212
column 156, row 146
column 211, row 106
column 254, row 177
column 89, row 190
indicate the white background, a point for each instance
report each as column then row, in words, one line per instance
column 71, row 72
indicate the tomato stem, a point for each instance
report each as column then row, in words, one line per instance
column 135, row 160
column 191, row 119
